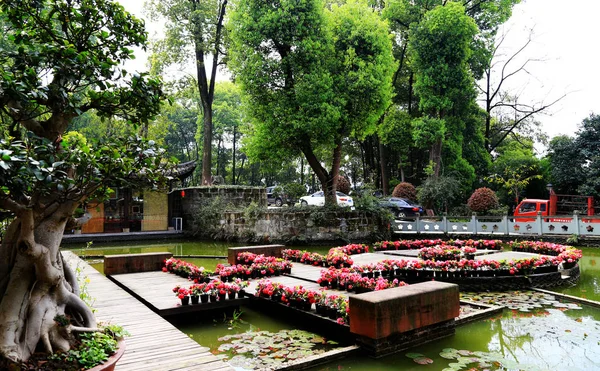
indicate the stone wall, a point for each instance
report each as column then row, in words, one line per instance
column 155, row 212
column 235, row 219
column 231, row 197
column 301, row 227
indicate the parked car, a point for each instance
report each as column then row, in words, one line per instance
column 402, row 207
column 277, row 197
column 318, row 199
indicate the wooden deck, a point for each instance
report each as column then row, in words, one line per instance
column 155, row 290
column 154, row 343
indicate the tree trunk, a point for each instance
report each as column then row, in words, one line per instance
column 233, row 156
column 385, row 179
column 207, row 147
column 36, row 286
column 435, row 156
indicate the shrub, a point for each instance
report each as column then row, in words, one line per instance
column 405, row 190
column 343, row 185
column 482, row 200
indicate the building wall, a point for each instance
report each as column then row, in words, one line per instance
column 155, row 211
column 96, row 223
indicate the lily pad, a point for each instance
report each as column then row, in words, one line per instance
column 423, row 360
column 414, row 355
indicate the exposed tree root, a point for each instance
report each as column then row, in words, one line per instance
column 37, row 287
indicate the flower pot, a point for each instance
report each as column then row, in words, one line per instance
column 333, row 313
column 213, row 298
column 231, row 295
column 276, row 298
column 321, row 309
column 221, row 296
column 185, row 300
column 204, row 298
column 333, row 284
column 111, row 362
column 195, row 299
column 307, row 306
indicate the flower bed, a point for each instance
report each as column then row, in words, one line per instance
column 329, row 305
column 337, row 256
column 261, row 266
column 187, row 270
column 440, row 253
column 419, row 244
column 205, row 292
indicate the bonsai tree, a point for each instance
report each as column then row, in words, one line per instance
column 405, row 190
column 62, row 58
column 482, row 200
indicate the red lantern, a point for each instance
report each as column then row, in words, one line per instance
column 182, row 194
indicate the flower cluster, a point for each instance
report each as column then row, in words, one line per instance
column 539, row 247
column 302, row 298
column 468, row 250
column 338, row 258
column 245, row 258
column 261, row 266
column 419, row 244
column 440, row 253
column 186, row 270
column 181, row 292
column 354, row 248
column 212, row 288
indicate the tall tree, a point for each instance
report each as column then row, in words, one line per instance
column 228, row 119
column 440, row 48
column 63, row 60
column 312, row 77
column 567, row 172
column 194, row 31
column 506, row 113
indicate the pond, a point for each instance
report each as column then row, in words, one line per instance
column 553, row 337
column 176, row 247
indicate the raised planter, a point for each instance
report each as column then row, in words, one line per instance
column 111, row 363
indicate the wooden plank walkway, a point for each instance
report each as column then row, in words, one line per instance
column 154, row 343
column 155, row 290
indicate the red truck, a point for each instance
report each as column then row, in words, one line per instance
column 557, row 205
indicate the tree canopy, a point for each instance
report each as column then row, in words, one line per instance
column 311, row 76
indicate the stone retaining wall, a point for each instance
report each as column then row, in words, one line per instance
column 302, row 227
column 389, row 320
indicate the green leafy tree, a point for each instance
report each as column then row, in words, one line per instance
column 227, row 114
column 194, row 32
column 567, row 173
column 587, row 140
column 311, row 77
column 62, row 61
column 515, row 167
column 440, row 48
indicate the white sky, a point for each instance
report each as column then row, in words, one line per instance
column 565, row 37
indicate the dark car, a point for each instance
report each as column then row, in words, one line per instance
column 402, row 207
column 276, row 196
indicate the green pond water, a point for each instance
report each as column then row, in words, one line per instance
column 553, row 337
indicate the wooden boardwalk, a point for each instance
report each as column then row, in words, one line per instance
column 154, row 343
column 155, row 290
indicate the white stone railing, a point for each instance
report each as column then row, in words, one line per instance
column 501, row 225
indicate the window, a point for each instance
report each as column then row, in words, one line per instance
column 527, row 207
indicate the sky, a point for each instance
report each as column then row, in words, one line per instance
column 564, row 39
